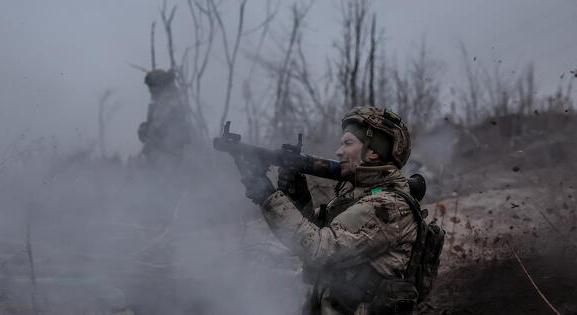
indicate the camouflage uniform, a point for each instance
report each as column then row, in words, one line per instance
column 167, row 129
column 367, row 236
column 356, row 250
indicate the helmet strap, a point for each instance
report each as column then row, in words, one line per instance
column 366, row 143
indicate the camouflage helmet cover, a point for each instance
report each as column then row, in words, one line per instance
column 388, row 122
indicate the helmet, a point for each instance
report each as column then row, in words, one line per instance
column 159, row 78
column 380, row 120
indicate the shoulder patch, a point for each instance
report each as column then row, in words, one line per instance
column 387, row 205
column 383, row 213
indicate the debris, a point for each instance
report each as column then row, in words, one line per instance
column 516, row 168
column 442, row 208
column 455, row 220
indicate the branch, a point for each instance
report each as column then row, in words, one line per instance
column 137, row 67
column 250, row 105
column 30, row 257
column 543, row 297
column 230, row 56
column 304, row 79
column 152, row 51
column 372, row 63
column 200, row 59
column 167, row 21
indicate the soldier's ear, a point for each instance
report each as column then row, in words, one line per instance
column 372, row 155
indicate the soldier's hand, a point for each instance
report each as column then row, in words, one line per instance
column 294, row 185
column 253, row 177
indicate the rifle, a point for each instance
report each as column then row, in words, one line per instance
column 291, row 156
column 288, row 156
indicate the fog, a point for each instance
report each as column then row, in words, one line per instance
column 59, row 57
column 111, row 235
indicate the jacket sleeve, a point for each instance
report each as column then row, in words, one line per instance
column 369, row 227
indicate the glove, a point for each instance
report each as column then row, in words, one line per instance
column 294, row 185
column 258, row 186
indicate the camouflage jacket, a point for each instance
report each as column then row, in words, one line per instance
column 167, row 128
column 367, row 226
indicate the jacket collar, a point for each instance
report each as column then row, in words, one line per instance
column 386, row 176
column 367, row 177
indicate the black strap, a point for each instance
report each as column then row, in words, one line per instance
column 414, row 268
column 413, row 204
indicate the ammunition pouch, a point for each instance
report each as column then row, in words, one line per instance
column 384, row 295
column 394, row 296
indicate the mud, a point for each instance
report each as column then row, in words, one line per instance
column 502, row 287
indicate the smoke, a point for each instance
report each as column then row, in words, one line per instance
column 109, row 236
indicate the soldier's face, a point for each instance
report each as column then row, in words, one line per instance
column 349, row 153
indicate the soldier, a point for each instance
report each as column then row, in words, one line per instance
column 167, row 129
column 355, row 250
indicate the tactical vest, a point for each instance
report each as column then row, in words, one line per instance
column 388, row 294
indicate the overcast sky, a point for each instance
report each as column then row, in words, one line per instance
column 57, row 57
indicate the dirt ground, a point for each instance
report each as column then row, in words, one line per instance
column 510, row 214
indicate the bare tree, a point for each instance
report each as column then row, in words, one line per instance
column 371, row 61
column 230, row 54
column 207, row 20
column 284, row 114
column 152, row 48
column 355, row 77
column 195, row 65
column 253, row 110
column 499, row 91
column 31, row 264
column 526, row 91
column 189, row 83
column 351, row 51
column 562, row 99
column 106, row 111
column 424, row 73
column 471, row 96
column 417, row 91
column 167, row 22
